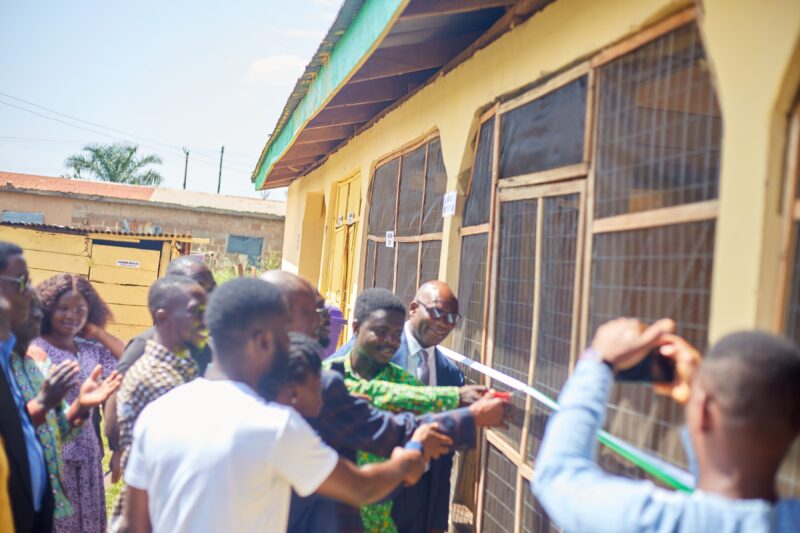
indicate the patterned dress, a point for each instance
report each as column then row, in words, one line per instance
column 53, row 433
column 83, row 473
column 393, row 389
column 154, row 374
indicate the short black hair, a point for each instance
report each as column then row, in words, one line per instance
column 305, row 358
column 185, row 265
column 756, row 378
column 236, row 305
column 8, row 250
column 165, row 290
column 372, row 300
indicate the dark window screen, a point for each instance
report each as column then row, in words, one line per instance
column 412, row 184
column 369, row 267
column 479, row 199
column 383, row 200
column 435, row 185
column 793, row 324
column 534, row 518
column 384, row 267
column 250, row 246
column 429, row 268
column 789, row 476
column 659, row 128
column 545, row 133
column 407, row 261
column 653, row 273
column 557, row 290
column 514, row 306
column 471, row 294
column 500, row 493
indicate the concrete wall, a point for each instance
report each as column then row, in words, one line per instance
column 105, row 214
column 754, row 53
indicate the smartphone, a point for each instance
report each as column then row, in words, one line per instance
column 654, row 368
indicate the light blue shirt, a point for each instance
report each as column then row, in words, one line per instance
column 580, row 497
column 32, row 445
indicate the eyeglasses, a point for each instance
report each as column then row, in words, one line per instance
column 323, row 312
column 23, row 282
column 438, row 314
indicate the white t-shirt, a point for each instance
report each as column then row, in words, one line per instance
column 214, row 456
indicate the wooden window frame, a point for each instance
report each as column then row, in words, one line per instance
column 791, row 215
column 398, row 154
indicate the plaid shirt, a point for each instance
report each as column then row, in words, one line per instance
column 156, row 373
column 348, row 423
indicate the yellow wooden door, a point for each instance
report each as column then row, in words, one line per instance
column 343, row 247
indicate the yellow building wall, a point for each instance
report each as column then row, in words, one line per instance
column 753, row 49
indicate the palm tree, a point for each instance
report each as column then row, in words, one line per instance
column 114, row 162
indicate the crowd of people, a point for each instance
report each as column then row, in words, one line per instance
column 229, row 415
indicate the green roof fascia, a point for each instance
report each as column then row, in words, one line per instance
column 358, row 41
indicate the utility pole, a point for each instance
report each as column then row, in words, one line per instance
column 185, row 166
column 219, row 180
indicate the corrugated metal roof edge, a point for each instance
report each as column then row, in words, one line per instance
column 149, row 203
column 83, row 231
column 388, row 12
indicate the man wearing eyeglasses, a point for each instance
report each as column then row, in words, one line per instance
column 433, row 313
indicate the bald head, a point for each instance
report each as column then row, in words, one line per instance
column 429, row 312
column 195, row 268
column 301, row 300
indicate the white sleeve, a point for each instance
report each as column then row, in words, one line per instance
column 137, row 472
column 301, row 457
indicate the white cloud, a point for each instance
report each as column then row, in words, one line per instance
column 297, row 33
column 282, row 69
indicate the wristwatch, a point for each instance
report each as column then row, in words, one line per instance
column 413, row 445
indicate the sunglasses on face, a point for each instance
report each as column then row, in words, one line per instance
column 23, row 282
column 438, row 314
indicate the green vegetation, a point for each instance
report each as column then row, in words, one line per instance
column 116, row 163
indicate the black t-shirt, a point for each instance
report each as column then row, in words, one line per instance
column 137, row 345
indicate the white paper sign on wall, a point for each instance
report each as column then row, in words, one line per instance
column 390, row 239
column 449, row 204
column 128, row 263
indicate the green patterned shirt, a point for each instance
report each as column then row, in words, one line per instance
column 392, row 389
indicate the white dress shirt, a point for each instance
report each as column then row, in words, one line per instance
column 414, row 349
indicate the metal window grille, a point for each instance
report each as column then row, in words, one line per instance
column 435, row 185
column 545, row 133
column 383, row 199
column 793, row 321
column 412, row 187
column 659, row 128
column 472, row 300
column 477, row 206
column 534, row 518
column 515, row 292
column 369, row 268
column 406, row 281
column 557, row 291
column 500, row 493
column 415, row 216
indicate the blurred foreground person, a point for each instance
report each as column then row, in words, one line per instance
column 28, row 487
column 742, row 411
column 212, row 455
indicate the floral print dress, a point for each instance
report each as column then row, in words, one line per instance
column 83, row 473
column 53, row 433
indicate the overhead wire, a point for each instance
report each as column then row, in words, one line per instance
column 231, row 166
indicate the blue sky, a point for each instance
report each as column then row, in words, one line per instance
column 199, row 74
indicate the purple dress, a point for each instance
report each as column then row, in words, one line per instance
column 83, row 473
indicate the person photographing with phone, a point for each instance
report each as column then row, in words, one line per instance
column 742, row 404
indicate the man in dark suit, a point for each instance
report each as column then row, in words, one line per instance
column 28, row 486
column 432, row 315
